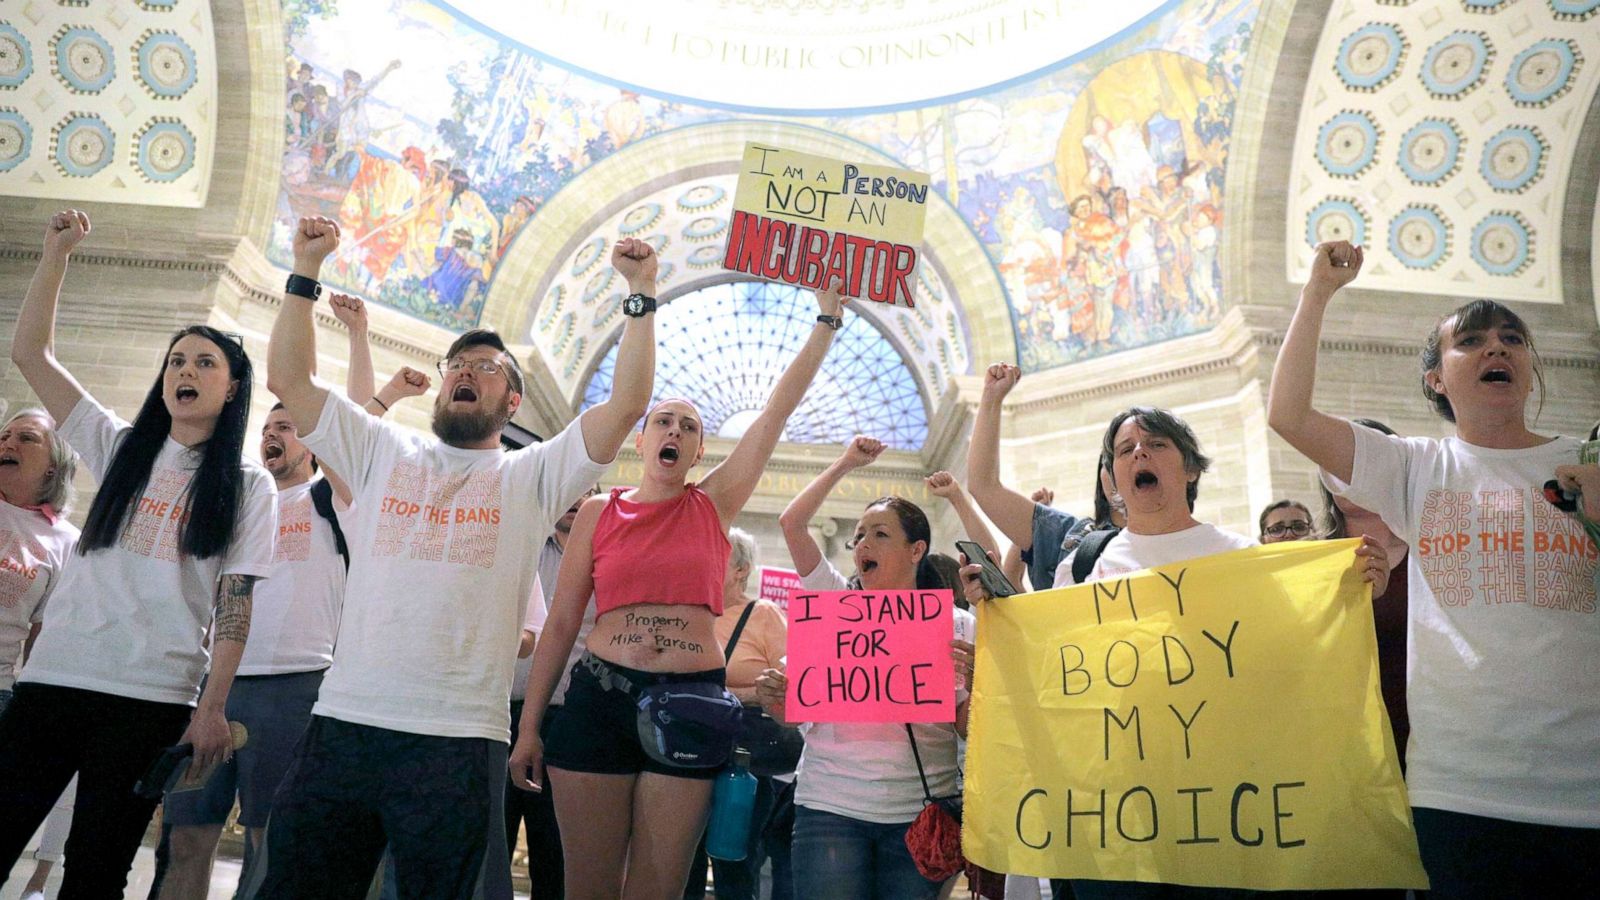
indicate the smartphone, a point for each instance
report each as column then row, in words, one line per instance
column 993, row 580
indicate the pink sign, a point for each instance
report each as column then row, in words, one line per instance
column 871, row 656
column 777, row 583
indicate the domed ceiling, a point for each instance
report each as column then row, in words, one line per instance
column 728, row 345
column 804, row 57
column 1083, row 144
column 1441, row 136
column 107, row 101
column 686, row 223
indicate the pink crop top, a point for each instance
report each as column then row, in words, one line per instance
column 675, row 551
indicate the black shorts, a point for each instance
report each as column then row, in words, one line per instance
column 598, row 729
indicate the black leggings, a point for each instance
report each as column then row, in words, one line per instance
column 50, row 733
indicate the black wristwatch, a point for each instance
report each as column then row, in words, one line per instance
column 834, row 322
column 637, row 305
column 301, row 286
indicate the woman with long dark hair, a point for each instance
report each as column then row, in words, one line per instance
column 861, row 785
column 179, row 530
column 1502, row 688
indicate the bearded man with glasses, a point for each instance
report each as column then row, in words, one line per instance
column 479, row 379
column 408, row 740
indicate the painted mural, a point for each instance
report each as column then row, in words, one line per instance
column 1096, row 188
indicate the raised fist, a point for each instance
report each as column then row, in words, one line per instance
column 942, row 484
column 1336, row 264
column 350, row 311
column 861, row 451
column 314, row 239
column 635, row 260
column 64, row 231
column 999, row 380
column 1044, row 495
column 409, row 382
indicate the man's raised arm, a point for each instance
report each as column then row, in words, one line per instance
column 292, row 355
column 607, row 425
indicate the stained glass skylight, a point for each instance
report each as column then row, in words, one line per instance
column 724, row 347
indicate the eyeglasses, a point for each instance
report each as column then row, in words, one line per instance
column 481, row 366
column 1279, row 529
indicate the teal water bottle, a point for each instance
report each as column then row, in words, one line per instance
column 733, row 800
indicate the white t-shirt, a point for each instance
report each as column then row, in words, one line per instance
column 32, row 553
column 442, row 551
column 1129, row 552
column 538, row 611
column 131, row 620
column 1503, row 666
column 294, row 615
column 865, row 770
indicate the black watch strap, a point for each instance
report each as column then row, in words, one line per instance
column 637, row 305
column 834, row 322
column 301, row 286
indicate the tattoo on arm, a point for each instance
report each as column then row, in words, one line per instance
column 233, row 608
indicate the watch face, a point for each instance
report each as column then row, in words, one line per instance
column 633, row 306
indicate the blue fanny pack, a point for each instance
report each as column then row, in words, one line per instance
column 689, row 724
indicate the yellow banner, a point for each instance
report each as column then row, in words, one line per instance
column 1215, row 722
column 804, row 220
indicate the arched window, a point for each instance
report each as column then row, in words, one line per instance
column 724, row 347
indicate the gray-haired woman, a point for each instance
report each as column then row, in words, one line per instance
column 36, row 469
